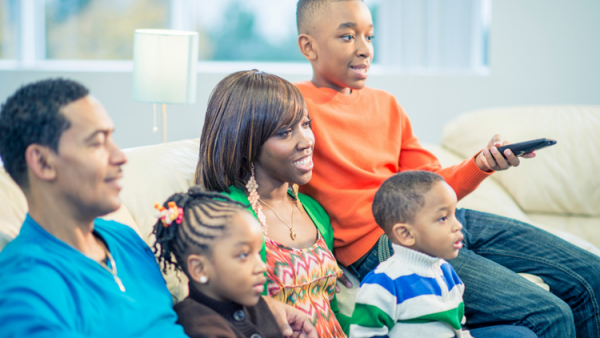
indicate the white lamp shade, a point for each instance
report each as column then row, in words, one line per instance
column 164, row 66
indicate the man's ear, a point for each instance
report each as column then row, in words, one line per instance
column 41, row 161
column 404, row 234
column 198, row 268
column 307, row 46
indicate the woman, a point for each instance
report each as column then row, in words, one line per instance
column 256, row 147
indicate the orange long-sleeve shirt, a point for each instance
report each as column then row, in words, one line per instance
column 361, row 140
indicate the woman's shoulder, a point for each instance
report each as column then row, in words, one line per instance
column 236, row 194
column 311, row 204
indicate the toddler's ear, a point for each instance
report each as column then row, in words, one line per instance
column 306, row 43
column 403, row 234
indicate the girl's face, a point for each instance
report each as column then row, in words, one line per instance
column 235, row 270
column 287, row 155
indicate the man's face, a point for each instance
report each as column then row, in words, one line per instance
column 88, row 162
column 343, row 37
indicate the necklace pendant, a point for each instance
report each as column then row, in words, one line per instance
column 293, row 235
column 120, row 284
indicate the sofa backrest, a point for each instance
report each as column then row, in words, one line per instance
column 560, row 188
column 562, row 179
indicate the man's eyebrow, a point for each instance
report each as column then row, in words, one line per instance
column 96, row 132
column 347, row 25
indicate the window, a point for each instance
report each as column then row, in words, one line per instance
column 8, row 29
column 411, row 35
column 98, row 29
column 434, row 35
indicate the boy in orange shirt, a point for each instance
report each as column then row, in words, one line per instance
column 363, row 136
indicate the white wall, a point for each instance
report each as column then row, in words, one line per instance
column 542, row 52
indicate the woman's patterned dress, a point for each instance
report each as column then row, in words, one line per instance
column 305, row 279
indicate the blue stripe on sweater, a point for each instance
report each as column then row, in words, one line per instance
column 411, row 286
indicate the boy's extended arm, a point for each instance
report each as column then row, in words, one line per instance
column 463, row 177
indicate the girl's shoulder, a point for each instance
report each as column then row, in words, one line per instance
column 199, row 320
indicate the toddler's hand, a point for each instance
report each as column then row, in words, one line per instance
column 490, row 158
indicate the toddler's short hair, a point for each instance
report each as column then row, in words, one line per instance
column 400, row 197
column 307, row 9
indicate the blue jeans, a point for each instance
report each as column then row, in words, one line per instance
column 503, row 331
column 497, row 248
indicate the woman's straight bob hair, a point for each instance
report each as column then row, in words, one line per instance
column 244, row 110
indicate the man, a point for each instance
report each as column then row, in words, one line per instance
column 69, row 274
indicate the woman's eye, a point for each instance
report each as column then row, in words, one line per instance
column 307, row 123
column 244, row 255
column 370, row 37
column 443, row 219
column 285, row 133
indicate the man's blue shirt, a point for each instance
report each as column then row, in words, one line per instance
column 49, row 289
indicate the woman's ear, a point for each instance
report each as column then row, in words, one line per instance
column 307, row 47
column 198, row 268
column 403, row 234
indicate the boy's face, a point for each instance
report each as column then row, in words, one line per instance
column 342, row 38
column 435, row 228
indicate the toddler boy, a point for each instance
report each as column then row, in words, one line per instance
column 415, row 293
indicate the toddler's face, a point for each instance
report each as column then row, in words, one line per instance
column 236, row 271
column 436, row 229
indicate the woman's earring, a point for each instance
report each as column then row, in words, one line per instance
column 295, row 189
column 203, row 279
column 253, row 198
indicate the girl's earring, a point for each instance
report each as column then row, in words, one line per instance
column 203, row 279
column 253, row 198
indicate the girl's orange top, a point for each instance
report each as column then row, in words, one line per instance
column 361, row 140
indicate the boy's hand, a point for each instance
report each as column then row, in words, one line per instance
column 292, row 322
column 490, row 158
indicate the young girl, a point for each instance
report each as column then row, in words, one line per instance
column 217, row 244
column 256, row 147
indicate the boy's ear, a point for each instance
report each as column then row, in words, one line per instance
column 197, row 267
column 307, row 46
column 40, row 160
column 404, row 235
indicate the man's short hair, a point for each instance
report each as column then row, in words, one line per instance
column 32, row 116
column 308, row 9
column 400, row 197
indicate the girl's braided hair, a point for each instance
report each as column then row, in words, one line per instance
column 205, row 217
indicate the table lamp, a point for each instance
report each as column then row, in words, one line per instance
column 164, row 69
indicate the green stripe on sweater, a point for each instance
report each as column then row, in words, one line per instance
column 371, row 316
column 452, row 317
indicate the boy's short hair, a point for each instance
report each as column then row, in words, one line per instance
column 32, row 116
column 307, row 9
column 400, row 197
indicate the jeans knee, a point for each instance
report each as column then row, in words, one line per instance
column 556, row 318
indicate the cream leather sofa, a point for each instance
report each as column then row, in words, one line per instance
column 558, row 191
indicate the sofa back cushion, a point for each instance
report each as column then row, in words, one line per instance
column 562, row 179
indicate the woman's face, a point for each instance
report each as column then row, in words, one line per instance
column 287, row 155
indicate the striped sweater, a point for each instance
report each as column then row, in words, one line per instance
column 410, row 295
